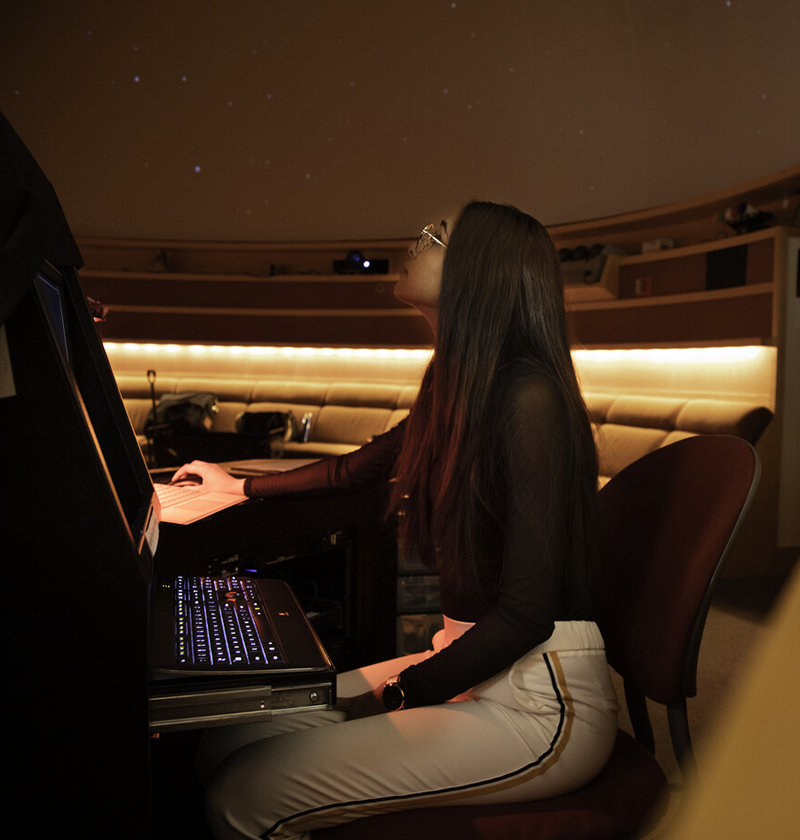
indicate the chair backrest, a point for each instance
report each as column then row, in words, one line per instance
column 667, row 522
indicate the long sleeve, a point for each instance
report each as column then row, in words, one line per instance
column 534, row 452
column 370, row 465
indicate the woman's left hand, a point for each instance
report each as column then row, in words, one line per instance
column 362, row 705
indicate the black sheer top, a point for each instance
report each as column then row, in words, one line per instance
column 534, row 448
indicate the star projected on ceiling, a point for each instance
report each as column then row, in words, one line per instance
column 428, row 102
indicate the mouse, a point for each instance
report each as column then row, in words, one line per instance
column 188, row 481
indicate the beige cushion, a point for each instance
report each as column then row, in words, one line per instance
column 340, row 424
column 407, row 396
column 747, row 420
column 300, row 391
column 619, row 446
column 674, row 437
column 395, row 417
column 358, row 394
column 651, row 412
column 598, row 405
column 131, row 385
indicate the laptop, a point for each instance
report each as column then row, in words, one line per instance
column 182, row 505
column 229, row 650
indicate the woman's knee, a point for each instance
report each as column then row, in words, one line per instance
column 217, row 744
column 232, row 805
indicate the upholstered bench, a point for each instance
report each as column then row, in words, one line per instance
column 345, row 415
column 629, row 426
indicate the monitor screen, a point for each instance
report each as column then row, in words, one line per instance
column 75, row 333
column 50, row 289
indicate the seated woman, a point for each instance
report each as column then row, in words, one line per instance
column 496, row 476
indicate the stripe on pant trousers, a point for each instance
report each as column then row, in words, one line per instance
column 357, row 809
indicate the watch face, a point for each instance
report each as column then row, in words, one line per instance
column 393, row 697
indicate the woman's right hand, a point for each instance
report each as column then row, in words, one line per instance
column 211, row 476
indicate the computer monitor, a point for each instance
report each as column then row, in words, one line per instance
column 76, row 534
column 49, row 286
column 87, row 365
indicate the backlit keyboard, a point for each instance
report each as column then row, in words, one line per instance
column 216, row 623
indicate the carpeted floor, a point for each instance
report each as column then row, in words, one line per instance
column 735, row 624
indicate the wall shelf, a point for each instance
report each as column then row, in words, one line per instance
column 679, row 298
column 689, row 222
column 714, row 289
column 684, row 297
column 294, row 279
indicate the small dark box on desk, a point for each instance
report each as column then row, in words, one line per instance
column 726, row 268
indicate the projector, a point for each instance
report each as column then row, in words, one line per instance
column 356, row 263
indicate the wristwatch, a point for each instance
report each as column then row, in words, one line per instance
column 393, row 697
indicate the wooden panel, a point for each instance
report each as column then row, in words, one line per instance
column 306, row 309
column 262, row 259
column 721, row 319
column 342, row 292
column 667, row 277
column 377, row 329
column 673, row 274
column 761, row 261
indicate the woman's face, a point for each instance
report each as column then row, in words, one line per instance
column 420, row 280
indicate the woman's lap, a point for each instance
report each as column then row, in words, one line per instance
column 311, row 770
column 218, row 743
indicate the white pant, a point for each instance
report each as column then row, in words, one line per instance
column 541, row 728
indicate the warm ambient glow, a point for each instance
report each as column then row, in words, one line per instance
column 654, row 355
column 402, row 365
column 731, row 373
column 113, row 348
column 744, row 372
column 672, row 355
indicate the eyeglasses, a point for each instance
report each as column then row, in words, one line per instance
column 426, row 237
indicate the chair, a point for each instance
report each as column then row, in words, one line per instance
column 667, row 521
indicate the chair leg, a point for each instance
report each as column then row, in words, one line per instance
column 637, row 711
column 681, row 737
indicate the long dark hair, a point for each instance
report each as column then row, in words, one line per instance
column 501, row 307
